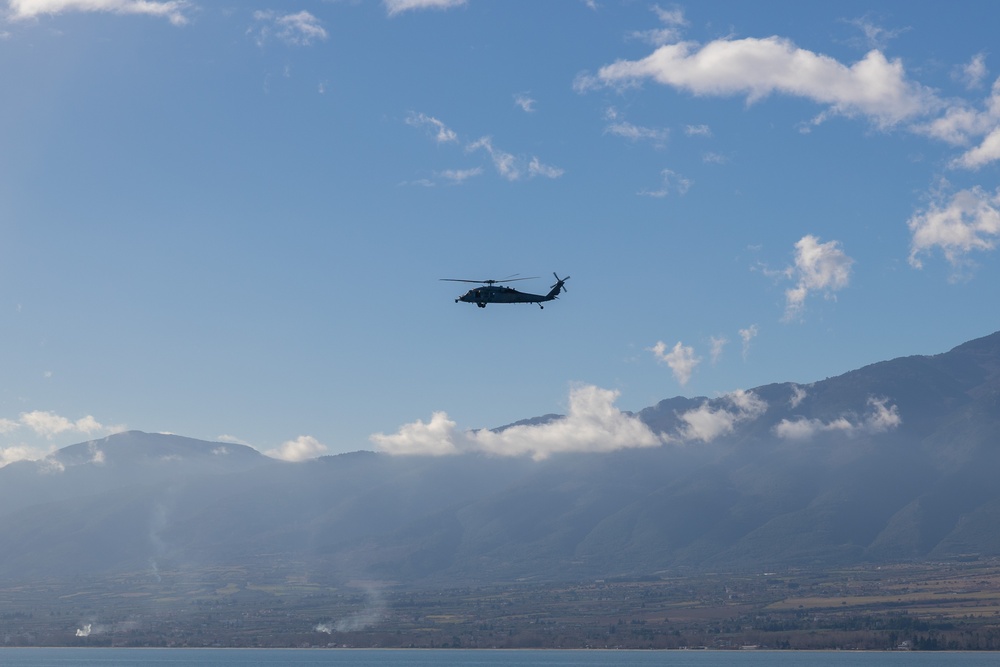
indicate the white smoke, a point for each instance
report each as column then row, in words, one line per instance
column 372, row 611
column 91, row 629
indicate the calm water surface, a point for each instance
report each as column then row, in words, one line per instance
column 54, row 657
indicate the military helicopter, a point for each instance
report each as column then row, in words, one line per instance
column 494, row 291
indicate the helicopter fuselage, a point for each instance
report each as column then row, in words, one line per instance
column 500, row 294
column 492, row 292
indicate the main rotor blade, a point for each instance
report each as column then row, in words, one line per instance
column 487, row 282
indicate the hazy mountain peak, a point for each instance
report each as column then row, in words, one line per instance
column 135, row 447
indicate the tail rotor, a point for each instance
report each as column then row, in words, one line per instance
column 559, row 286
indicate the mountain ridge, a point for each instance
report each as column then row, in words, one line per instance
column 891, row 461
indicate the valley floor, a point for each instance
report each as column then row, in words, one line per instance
column 913, row 606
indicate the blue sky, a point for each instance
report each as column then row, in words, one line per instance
column 229, row 220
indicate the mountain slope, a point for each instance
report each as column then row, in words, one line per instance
column 892, row 461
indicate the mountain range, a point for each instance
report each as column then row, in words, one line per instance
column 894, row 461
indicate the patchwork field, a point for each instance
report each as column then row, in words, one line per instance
column 917, row 606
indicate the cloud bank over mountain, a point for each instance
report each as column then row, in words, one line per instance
column 592, row 424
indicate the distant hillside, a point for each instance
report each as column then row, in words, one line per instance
column 893, row 461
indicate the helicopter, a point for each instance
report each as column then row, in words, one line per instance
column 494, row 291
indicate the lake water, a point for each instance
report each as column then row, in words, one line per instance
column 69, row 657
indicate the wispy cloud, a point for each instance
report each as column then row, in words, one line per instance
column 973, row 72
column 536, row 168
column 875, row 36
column 503, row 162
column 442, row 134
column 525, row 102
column 172, row 10
column 747, row 335
column 718, row 343
column 672, row 21
column 592, row 424
column 510, row 166
column 396, row 7
column 798, row 395
column 681, row 359
column 619, row 127
column 459, row 176
column 819, row 267
column 299, row 29
column 633, row 132
column 969, row 220
column 881, row 417
column 964, row 124
column 670, row 183
column 507, row 165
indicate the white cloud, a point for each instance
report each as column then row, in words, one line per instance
column 536, row 168
column 525, row 102
column 592, row 424
column 972, row 73
column 961, row 125
column 22, row 452
column 798, row 395
column 459, row 176
column 714, row 158
column 299, row 29
column 698, row 130
column 983, row 154
column 438, row 437
column 632, row 132
column 706, row 423
column 671, row 182
column 49, row 424
column 96, row 454
column 876, row 37
column 969, row 221
column 394, row 7
column 880, row 418
column 302, row 448
column 441, row 132
column 510, row 166
column 672, row 19
column 172, row 10
column 874, row 86
column 748, row 335
column 681, row 359
column 504, row 162
column 818, row 267
column 717, row 343
column 620, row 127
